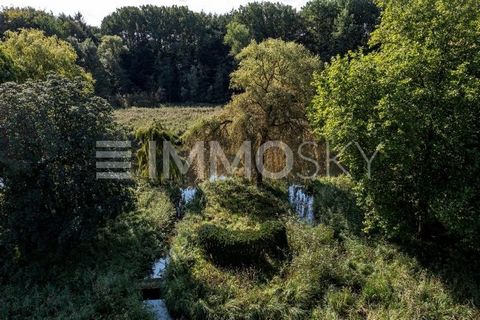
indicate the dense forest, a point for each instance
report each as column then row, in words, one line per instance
column 367, row 206
column 148, row 55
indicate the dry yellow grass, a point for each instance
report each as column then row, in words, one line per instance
column 175, row 118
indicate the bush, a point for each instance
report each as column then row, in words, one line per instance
column 52, row 200
column 261, row 203
column 335, row 205
column 242, row 247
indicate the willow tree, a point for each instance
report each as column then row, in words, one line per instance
column 150, row 152
column 274, row 78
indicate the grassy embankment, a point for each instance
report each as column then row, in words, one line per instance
column 100, row 279
column 246, row 256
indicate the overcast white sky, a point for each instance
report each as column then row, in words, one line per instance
column 95, row 10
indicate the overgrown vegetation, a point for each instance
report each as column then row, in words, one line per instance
column 322, row 274
column 400, row 114
column 52, row 200
column 100, row 279
column 176, row 119
column 415, row 101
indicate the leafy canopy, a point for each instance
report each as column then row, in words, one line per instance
column 416, row 101
column 51, row 197
column 274, row 78
column 34, row 55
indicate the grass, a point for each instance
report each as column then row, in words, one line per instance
column 101, row 279
column 330, row 272
column 176, row 119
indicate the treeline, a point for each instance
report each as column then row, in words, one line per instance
column 148, row 55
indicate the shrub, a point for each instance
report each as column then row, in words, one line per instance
column 261, row 203
column 100, row 279
column 242, row 247
column 335, row 205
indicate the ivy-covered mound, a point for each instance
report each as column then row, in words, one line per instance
column 244, row 255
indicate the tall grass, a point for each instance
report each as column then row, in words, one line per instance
column 99, row 280
column 331, row 270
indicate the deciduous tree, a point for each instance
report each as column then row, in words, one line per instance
column 416, row 102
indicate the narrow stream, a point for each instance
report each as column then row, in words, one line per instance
column 158, row 306
column 298, row 197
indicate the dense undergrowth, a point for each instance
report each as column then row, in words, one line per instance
column 100, row 279
column 325, row 271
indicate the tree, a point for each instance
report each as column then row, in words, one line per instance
column 15, row 19
column 237, row 37
column 110, row 52
column 156, row 133
column 7, row 69
column 275, row 77
column 34, row 55
column 51, row 197
column 269, row 20
column 167, row 46
column 416, row 102
column 335, row 27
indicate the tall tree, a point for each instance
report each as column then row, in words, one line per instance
column 237, row 37
column 34, row 55
column 269, row 20
column 275, row 78
column 51, row 197
column 168, row 47
column 335, row 26
column 110, row 52
column 416, row 102
column 14, row 19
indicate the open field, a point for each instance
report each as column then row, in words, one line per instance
column 175, row 118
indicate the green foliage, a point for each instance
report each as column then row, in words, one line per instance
column 109, row 53
column 100, row 279
column 335, row 27
column 242, row 247
column 415, row 101
column 7, row 69
column 237, row 37
column 327, row 275
column 52, row 199
column 154, row 133
column 261, row 203
column 266, row 20
column 34, row 55
column 15, row 19
column 275, row 79
column 335, row 205
column 174, row 55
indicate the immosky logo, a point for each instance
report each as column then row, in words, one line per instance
column 244, row 159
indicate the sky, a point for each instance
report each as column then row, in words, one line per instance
column 95, row 10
